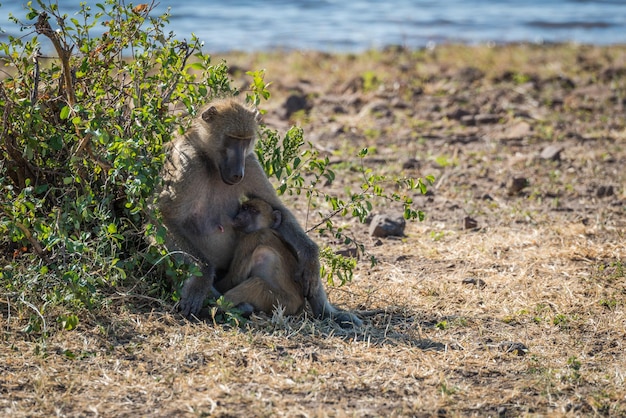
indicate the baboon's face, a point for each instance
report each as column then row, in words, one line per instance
column 232, row 130
column 255, row 214
column 232, row 163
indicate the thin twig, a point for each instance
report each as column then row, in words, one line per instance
column 188, row 53
column 33, row 94
column 34, row 308
column 36, row 246
column 325, row 219
column 43, row 27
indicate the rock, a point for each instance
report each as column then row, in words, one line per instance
column 613, row 73
column 457, row 114
column 469, row 223
column 468, row 120
column 552, row 152
column 514, row 347
column 397, row 103
column 411, row 164
column 386, row 225
column 295, row 103
column 518, row 131
column 517, row 185
column 480, row 119
column 486, row 118
column 475, row 282
column 604, row 191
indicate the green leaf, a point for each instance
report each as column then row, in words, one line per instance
column 65, row 112
column 68, row 322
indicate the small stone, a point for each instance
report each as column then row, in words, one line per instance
column 475, row 282
column 551, row 152
column 458, row 114
column 295, row 103
column 469, row 223
column 480, row 119
column 486, row 118
column 517, row 185
column 514, row 347
column 605, row 191
column 468, row 120
column 411, row 164
column 386, row 225
column 518, row 131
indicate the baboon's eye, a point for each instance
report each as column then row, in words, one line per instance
column 251, row 209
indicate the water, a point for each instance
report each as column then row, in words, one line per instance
column 354, row 26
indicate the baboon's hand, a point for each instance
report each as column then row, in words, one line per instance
column 192, row 296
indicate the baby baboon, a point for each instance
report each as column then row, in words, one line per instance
column 208, row 170
column 261, row 275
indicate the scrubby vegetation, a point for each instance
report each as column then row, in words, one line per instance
column 508, row 300
column 82, row 145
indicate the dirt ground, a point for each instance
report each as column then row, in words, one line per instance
column 508, row 300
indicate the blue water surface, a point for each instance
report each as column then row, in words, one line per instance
column 354, row 26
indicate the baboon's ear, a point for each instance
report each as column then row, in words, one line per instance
column 257, row 116
column 209, row 114
column 278, row 218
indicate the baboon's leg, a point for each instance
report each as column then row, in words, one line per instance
column 262, row 296
column 267, row 285
column 239, row 271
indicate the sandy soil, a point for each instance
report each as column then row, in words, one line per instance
column 508, row 300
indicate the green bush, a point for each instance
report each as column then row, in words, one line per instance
column 81, row 143
column 82, row 138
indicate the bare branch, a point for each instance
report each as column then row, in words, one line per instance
column 43, row 27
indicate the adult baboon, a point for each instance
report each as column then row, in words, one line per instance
column 261, row 275
column 207, row 171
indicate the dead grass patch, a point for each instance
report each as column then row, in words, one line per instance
column 522, row 316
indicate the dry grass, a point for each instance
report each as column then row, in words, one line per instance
column 538, row 329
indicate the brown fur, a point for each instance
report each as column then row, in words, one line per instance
column 263, row 270
column 207, row 172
